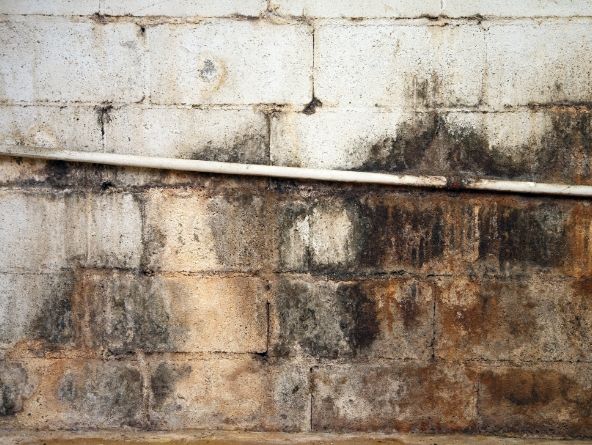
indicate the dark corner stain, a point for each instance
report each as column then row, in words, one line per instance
column 358, row 317
column 164, row 378
column 100, row 19
column 106, row 185
column 409, row 307
column 54, row 321
column 535, row 235
column 14, row 388
column 312, row 106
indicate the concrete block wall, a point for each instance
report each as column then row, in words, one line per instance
column 161, row 300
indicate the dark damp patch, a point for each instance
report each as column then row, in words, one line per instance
column 153, row 244
column 409, row 306
column 428, row 143
column 14, row 388
column 131, row 314
column 529, row 401
column 408, row 149
column 237, row 223
column 307, row 320
column 401, row 235
column 57, row 173
column 567, row 148
column 312, row 106
column 292, row 214
column 324, row 319
column 164, row 378
column 109, row 392
column 358, row 320
column 534, row 235
column 54, row 321
column 245, row 149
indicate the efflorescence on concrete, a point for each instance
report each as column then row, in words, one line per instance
column 155, row 300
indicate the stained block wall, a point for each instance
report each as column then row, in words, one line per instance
column 160, row 300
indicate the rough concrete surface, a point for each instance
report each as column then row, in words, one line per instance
column 137, row 305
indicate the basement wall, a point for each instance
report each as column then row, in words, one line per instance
column 155, row 300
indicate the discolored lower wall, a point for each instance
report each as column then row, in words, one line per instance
column 169, row 301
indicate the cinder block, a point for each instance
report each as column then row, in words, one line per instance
column 36, row 312
column 72, row 128
column 73, row 393
column 390, row 318
column 399, row 66
column 403, row 396
column 114, row 230
column 331, row 139
column 541, row 399
column 184, row 8
column 129, row 312
column 518, row 53
column 50, row 7
column 55, row 59
column 238, row 62
column 524, row 8
column 32, row 231
column 192, row 231
column 353, row 8
column 239, row 393
column 520, row 319
column 321, row 234
column 211, row 135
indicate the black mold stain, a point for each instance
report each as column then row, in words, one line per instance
column 325, row 320
column 14, row 388
column 237, row 223
column 568, row 147
column 57, row 173
column 312, row 106
column 249, row 149
column 527, row 400
column 401, row 235
column 164, row 378
column 306, row 320
column 535, row 235
column 409, row 307
column 408, row 150
column 289, row 216
column 131, row 314
column 103, row 116
column 359, row 321
column 428, row 143
column 108, row 392
column 54, row 320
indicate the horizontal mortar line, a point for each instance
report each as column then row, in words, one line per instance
column 264, row 275
column 8, row 355
column 290, row 20
column 456, row 184
column 414, row 274
column 285, row 108
column 136, row 271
